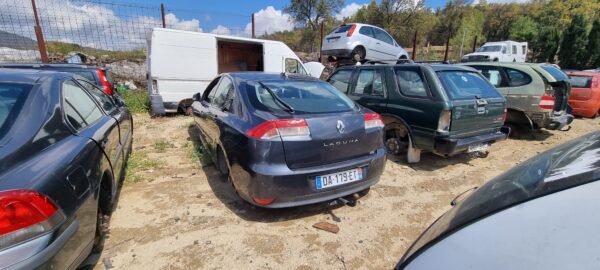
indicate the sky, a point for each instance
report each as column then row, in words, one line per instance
column 235, row 14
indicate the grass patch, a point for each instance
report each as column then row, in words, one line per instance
column 65, row 48
column 137, row 100
column 137, row 163
column 162, row 145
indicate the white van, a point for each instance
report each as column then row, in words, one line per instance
column 501, row 51
column 182, row 63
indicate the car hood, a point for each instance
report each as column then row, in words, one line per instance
column 568, row 165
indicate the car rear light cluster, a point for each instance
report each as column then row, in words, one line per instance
column 373, row 120
column 273, row 129
column 105, row 84
column 351, row 30
column 263, row 201
column 505, row 115
column 444, row 121
column 25, row 214
column 547, row 102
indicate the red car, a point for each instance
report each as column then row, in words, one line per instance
column 585, row 95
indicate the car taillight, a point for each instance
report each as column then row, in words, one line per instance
column 105, row 83
column 25, row 214
column 351, row 30
column 263, row 201
column 547, row 102
column 272, row 129
column 505, row 114
column 444, row 121
column 373, row 120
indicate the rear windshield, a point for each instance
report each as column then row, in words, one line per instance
column 12, row 98
column 581, row 81
column 342, row 29
column 302, row 96
column 466, row 85
column 85, row 74
column 555, row 72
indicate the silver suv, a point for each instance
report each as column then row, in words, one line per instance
column 361, row 42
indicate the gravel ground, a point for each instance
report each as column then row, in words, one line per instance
column 175, row 212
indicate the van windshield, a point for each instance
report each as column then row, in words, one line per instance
column 494, row 48
column 466, row 85
column 302, row 96
column 12, row 98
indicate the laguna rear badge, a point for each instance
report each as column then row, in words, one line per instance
column 339, row 143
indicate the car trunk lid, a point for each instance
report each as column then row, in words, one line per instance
column 333, row 138
column 477, row 114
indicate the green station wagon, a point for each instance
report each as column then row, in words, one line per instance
column 536, row 94
column 443, row 109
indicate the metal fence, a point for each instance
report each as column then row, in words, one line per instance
column 96, row 27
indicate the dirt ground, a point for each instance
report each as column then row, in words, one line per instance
column 175, row 212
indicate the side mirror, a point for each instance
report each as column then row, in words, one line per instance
column 197, row 97
column 118, row 101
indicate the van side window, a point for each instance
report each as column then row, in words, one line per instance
column 514, row 49
column 517, row 78
column 410, row 83
column 370, row 82
column 524, row 50
column 340, row 80
column 293, row 66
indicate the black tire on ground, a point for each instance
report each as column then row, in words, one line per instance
column 101, row 227
column 221, row 163
column 513, row 129
column 358, row 54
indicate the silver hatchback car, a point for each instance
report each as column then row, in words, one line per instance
column 361, row 42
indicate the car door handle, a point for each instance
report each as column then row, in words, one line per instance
column 104, row 143
column 378, row 43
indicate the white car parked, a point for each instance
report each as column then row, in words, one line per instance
column 360, row 42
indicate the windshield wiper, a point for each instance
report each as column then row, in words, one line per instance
column 287, row 106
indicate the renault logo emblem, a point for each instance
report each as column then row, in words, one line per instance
column 340, row 126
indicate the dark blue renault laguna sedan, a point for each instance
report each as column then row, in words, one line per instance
column 285, row 140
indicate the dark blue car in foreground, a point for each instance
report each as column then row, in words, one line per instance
column 63, row 144
column 287, row 141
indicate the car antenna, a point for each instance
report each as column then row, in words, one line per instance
column 287, row 106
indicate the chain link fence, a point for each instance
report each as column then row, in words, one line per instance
column 109, row 30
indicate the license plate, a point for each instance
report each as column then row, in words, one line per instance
column 477, row 147
column 340, row 178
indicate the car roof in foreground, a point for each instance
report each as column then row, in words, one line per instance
column 583, row 73
column 30, row 76
column 435, row 67
column 571, row 164
column 52, row 66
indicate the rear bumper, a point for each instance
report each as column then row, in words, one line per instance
column 340, row 53
column 559, row 120
column 450, row 146
column 158, row 107
column 291, row 188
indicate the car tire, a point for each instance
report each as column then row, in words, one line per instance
column 101, row 226
column 222, row 163
column 496, row 60
column 513, row 129
column 358, row 54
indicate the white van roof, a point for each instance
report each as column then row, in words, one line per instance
column 222, row 37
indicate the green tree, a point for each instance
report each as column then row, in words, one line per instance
column 524, row 29
column 593, row 46
column 574, row 42
column 546, row 45
column 312, row 12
